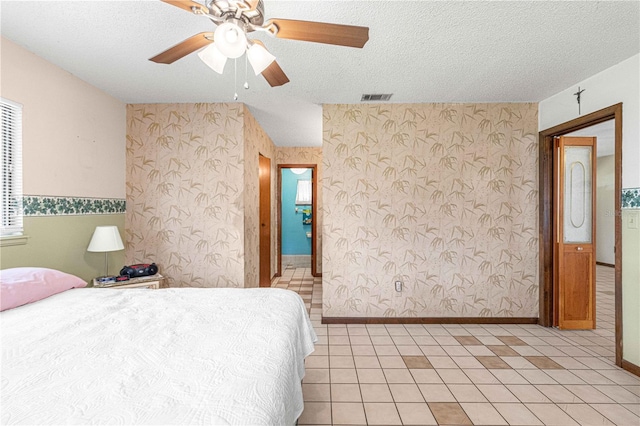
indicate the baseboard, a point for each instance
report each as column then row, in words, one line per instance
column 631, row 367
column 318, row 275
column 606, row 264
column 429, row 320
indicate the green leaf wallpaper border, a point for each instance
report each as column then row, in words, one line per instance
column 631, row 198
column 37, row 205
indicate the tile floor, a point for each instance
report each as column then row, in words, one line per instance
column 464, row 374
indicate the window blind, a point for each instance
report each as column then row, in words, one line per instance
column 11, row 207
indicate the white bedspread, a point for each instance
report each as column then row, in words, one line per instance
column 170, row 356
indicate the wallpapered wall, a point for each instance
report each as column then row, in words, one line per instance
column 256, row 142
column 442, row 197
column 185, row 194
column 307, row 155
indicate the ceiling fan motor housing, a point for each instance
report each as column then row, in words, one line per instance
column 226, row 9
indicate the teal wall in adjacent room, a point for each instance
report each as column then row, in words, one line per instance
column 294, row 233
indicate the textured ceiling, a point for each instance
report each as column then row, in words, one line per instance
column 421, row 51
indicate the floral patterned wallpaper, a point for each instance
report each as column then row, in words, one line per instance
column 185, row 193
column 307, row 155
column 442, row 197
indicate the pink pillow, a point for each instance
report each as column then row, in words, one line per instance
column 19, row 286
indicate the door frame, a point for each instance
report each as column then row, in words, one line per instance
column 264, row 271
column 545, row 211
column 314, row 212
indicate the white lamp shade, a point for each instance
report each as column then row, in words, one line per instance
column 106, row 238
column 260, row 58
column 230, row 40
column 211, row 56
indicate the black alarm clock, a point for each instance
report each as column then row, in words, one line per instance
column 140, row 270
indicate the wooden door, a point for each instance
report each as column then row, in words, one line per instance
column 265, row 221
column 574, row 176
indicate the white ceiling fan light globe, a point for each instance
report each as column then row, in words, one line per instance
column 259, row 58
column 211, row 56
column 230, row 40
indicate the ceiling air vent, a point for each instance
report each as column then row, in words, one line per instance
column 376, row 97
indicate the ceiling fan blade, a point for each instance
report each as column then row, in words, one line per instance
column 319, row 32
column 187, row 5
column 182, row 49
column 274, row 75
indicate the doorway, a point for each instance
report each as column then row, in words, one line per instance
column 297, row 201
column 548, row 193
column 264, row 167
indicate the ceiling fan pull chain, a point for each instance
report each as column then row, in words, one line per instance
column 246, row 65
column 235, row 79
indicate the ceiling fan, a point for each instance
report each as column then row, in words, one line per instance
column 237, row 18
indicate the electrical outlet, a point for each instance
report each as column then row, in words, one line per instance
column 632, row 221
column 398, row 286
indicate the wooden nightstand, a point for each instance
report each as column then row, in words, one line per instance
column 151, row 282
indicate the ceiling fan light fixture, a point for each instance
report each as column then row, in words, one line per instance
column 230, row 40
column 211, row 56
column 259, row 58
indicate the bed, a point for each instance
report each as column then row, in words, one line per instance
column 169, row 356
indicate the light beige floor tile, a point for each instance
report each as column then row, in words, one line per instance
column 527, row 393
column 623, row 377
column 415, row 413
column 589, row 394
column 340, row 350
column 425, row 340
column 479, row 350
column 316, row 413
column 456, row 351
column 466, row 393
column 373, row 392
column 333, row 331
column 403, row 340
column 360, row 340
column 341, row 361
column 569, row 363
column 382, row 350
column 321, row 350
column 410, row 350
column 398, row 375
column 357, row 331
column 338, row 340
column 405, row 392
column 345, row 392
column 316, row 361
column 584, row 414
column 381, row 340
column 497, row 393
column 467, row 362
column 423, row 375
column 391, row 362
column 436, row 393
column 482, row 413
column 432, row 350
column 592, row 377
column 343, row 375
column 564, row 377
column 517, row 414
column 518, row 362
column 316, row 392
column 558, row 394
column 442, row 362
column 453, row 376
column 366, row 361
column 617, row 414
column 363, row 350
column 619, row 394
column 371, row 375
column 480, row 376
column 551, row 414
column 446, row 340
column 509, row 377
column 316, row 375
column 382, row 414
column 634, row 408
column 537, row 377
column 348, row 413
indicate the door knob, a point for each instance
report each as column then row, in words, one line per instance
column 579, row 249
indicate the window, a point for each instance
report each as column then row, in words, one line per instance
column 303, row 194
column 11, row 207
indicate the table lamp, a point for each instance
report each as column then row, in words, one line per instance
column 106, row 239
